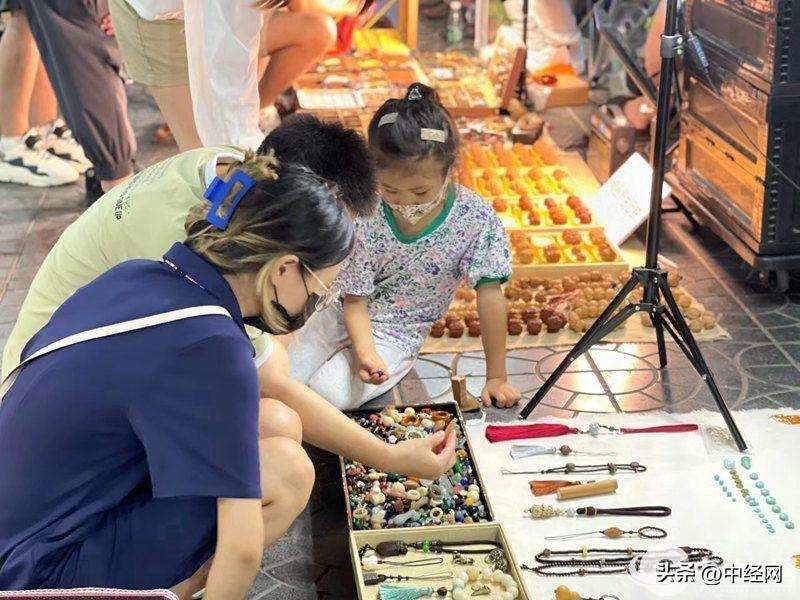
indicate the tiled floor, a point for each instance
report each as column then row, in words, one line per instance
column 758, row 367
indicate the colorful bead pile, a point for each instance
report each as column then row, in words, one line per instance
column 386, row 500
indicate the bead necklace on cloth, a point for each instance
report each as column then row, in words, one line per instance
column 503, row 433
column 522, row 451
column 604, row 561
column 544, row 511
column 612, row 468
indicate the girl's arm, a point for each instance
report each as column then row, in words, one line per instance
column 240, row 547
column 324, row 426
column 492, row 313
column 372, row 368
column 334, row 8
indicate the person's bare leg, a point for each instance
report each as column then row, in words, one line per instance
column 275, row 419
column 293, row 42
column 287, row 476
column 19, row 61
column 43, row 106
column 175, row 104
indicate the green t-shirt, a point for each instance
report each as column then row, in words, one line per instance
column 140, row 218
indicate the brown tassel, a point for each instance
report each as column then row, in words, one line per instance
column 545, row 488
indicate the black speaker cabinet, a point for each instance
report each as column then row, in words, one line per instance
column 759, row 39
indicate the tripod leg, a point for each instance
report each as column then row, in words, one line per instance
column 583, row 344
column 665, row 322
column 699, row 363
column 658, row 323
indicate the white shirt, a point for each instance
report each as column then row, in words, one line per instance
column 222, row 43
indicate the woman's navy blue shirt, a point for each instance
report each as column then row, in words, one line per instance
column 173, row 406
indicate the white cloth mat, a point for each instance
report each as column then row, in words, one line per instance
column 680, row 474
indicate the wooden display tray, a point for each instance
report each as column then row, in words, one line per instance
column 451, row 533
column 451, row 407
column 563, row 268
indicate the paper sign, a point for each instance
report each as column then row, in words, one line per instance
column 623, row 202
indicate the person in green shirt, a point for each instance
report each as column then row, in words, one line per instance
column 145, row 216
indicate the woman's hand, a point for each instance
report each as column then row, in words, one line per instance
column 426, row 458
column 372, row 368
column 499, row 390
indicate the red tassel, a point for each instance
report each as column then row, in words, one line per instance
column 545, row 488
column 661, row 429
column 502, row 433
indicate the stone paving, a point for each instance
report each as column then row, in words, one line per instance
column 758, row 367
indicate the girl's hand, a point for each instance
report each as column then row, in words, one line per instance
column 426, row 458
column 501, row 392
column 372, row 369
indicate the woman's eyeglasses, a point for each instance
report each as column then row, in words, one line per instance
column 332, row 295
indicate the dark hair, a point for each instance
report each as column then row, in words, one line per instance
column 289, row 210
column 331, row 151
column 402, row 139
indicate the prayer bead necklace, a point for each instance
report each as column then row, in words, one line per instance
column 612, row 468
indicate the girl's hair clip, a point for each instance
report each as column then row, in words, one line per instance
column 219, row 190
column 433, row 135
column 414, row 94
column 388, row 118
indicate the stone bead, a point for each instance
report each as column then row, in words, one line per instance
column 378, row 498
column 771, row 500
column 462, row 575
column 789, row 525
column 486, row 573
column 473, row 572
column 759, row 484
column 428, row 424
column 508, row 581
column 387, row 421
column 474, row 495
column 783, row 517
column 716, row 478
column 754, row 476
column 765, row 520
column 729, row 463
column 513, row 591
column 498, row 576
column 776, row 509
column 506, row 596
column 457, row 584
column 459, row 594
column 765, row 492
column 745, row 462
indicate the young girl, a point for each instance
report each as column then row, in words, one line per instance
column 410, row 257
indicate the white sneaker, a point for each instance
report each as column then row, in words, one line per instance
column 59, row 142
column 268, row 119
column 28, row 163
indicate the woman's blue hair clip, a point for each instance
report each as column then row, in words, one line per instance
column 219, row 189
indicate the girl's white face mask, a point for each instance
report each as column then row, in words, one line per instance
column 413, row 213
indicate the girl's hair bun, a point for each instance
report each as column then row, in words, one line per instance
column 419, row 92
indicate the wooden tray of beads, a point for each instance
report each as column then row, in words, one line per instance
column 568, row 252
column 463, row 533
column 455, row 413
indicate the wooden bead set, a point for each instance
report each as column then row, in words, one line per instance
column 577, row 250
column 378, row 500
column 540, row 305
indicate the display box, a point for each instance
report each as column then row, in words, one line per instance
column 463, row 533
column 550, row 254
column 455, row 413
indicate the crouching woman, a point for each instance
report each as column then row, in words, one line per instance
column 129, row 444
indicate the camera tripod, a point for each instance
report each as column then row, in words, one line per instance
column 657, row 299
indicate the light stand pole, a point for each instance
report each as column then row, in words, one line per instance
column 664, row 315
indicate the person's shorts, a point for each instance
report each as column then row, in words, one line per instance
column 10, row 5
column 145, row 543
column 154, row 52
